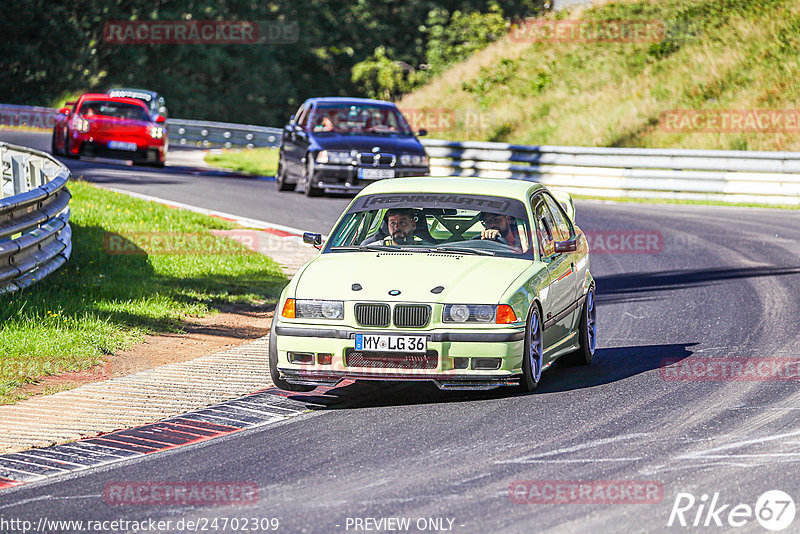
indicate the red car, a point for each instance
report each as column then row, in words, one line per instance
column 100, row 125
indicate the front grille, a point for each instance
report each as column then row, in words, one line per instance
column 411, row 315
column 366, row 158
column 391, row 360
column 372, row 314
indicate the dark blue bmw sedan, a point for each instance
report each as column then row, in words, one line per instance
column 342, row 144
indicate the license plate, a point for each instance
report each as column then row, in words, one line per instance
column 122, row 145
column 377, row 343
column 375, row 174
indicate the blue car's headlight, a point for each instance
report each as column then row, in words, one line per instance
column 413, row 160
column 469, row 313
column 319, row 309
column 331, row 156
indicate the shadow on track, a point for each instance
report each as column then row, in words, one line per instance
column 632, row 283
column 611, row 365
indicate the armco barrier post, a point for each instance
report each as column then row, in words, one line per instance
column 18, row 174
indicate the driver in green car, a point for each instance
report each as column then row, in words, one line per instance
column 497, row 226
column 402, row 225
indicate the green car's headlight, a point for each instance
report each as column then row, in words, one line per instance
column 469, row 313
column 319, row 309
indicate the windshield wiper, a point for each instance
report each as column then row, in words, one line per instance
column 459, row 250
column 364, row 248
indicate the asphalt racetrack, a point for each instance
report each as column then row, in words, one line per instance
column 643, row 444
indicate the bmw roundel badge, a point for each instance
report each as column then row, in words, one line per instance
column 394, row 292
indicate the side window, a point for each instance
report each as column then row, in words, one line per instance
column 300, row 111
column 545, row 226
column 302, row 118
column 564, row 230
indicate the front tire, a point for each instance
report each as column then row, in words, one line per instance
column 68, row 147
column 587, row 335
column 158, row 164
column 273, row 364
column 310, row 190
column 53, row 149
column 532, row 359
column 280, row 176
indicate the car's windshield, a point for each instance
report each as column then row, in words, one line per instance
column 434, row 223
column 119, row 110
column 358, row 119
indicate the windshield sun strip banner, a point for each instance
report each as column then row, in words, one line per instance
column 506, row 206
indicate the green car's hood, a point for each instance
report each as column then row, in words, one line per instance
column 468, row 279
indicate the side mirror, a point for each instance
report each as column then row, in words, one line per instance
column 422, row 132
column 65, row 111
column 161, row 119
column 566, row 246
column 312, row 238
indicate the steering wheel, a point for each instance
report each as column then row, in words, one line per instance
column 500, row 239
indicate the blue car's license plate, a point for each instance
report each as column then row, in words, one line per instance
column 375, row 174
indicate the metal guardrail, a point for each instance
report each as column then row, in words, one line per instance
column 35, row 236
column 726, row 175
column 204, row 134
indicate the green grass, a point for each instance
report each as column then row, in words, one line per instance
column 714, row 55
column 101, row 302
column 258, row 161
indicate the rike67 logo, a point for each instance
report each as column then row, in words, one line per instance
column 774, row 510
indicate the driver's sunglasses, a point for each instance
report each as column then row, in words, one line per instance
column 491, row 218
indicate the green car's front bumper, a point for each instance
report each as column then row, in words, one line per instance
column 455, row 358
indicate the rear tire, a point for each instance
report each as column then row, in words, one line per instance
column 587, row 335
column 273, row 364
column 280, row 176
column 532, row 359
